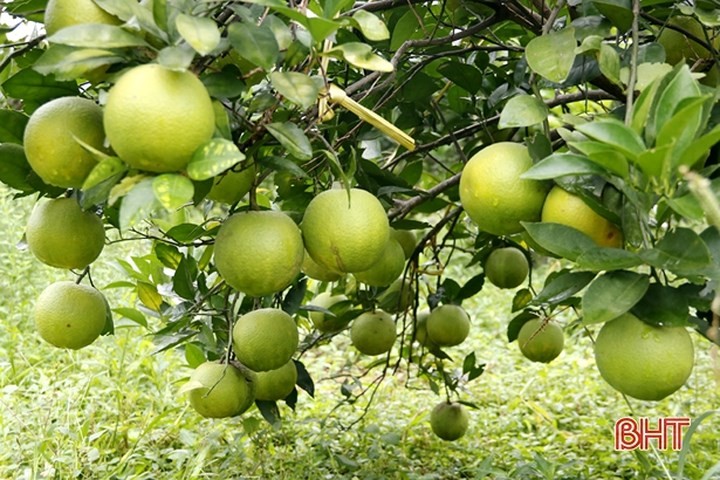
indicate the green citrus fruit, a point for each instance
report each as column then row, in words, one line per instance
column 345, row 233
column 373, row 333
column 387, row 269
column 540, row 343
column 448, row 325
column 259, row 253
column 506, row 267
column 231, row 186
column 449, row 421
column 155, row 118
column 265, row 339
column 493, row 194
column 220, row 390
column 421, row 330
column 322, row 321
column 276, row 384
column 66, row 13
column 60, row 234
column 643, row 361
column 314, row 270
column 678, row 46
column 69, row 315
column 51, row 140
column 567, row 209
column 407, row 240
column 398, row 297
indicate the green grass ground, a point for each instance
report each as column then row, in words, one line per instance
column 111, row 411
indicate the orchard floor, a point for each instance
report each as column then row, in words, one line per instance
column 112, row 411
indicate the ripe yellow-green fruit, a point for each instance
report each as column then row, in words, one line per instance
column 323, row 322
column 540, row 343
column 373, row 333
column 506, row 267
column 448, row 325
column 345, row 232
column 407, row 240
column 449, row 421
column 565, row 208
column 218, row 390
column 51, row 140
column 387, row 269
column 421, row 330
column 60, row 234
column 276, row 384
column 643, row 361
column 398, row 297
column 678, row 46
column 66, row 13
column 69, row 315
column 232, row 186
column 493, row 194
column 265, row 339
column 259, row 253
column 318, row 272
column 155, row 118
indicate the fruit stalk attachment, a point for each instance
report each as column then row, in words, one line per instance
column 337, row 95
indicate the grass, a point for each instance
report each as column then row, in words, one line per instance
column 111, row 411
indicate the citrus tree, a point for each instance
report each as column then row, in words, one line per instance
column 301, row 170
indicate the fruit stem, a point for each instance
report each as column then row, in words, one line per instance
column 338, row 95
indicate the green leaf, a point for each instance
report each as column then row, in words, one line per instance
column 471, row 287
column 255, row 44
column 662, row 305
column 97, row 35
column 561, row 286
column 184, row 278
column 194, row 355
column 292, row 138
column 682, row 128
column 138, row 204
column 619, row 12
column 674, row 89
column 609, row 62
column 187, row 232
column 560, row 165
column 371, row 26
column 15, row 170
column 699, row 148
column 552, row 55
column 70, row 63
column 408, row 27
column 517, row 322
column 604, row 155
column 173, row 190
column 147, row 294
column 522, row 111
column 101, row 180
column 361, row 55
column 280, row 164
column 169, row 255
column 559, row 239
column 37, row 89
column 135, row 12
column 296, row 87
column 132, row 314
column 213, row 158
column 654, row 161
column 463, row 75
column 12, row 126
column 616, row 134
column 613, row 294
column 304, row 380
column 283, row 33
column 600, row 258
column 200, row 32
column 176, row 57
column 681, row 251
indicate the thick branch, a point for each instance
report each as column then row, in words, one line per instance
column 384, row 5
column 403, row 208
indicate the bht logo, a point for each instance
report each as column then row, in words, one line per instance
column 631, row 434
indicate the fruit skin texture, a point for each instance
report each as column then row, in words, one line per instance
column 227, row 390
column 567, row 209
column 345, row 235
column 540, row 346
column 69, row 315
column 387, row 269
column 448, row 325
column 259, row 253
column 421, row 330
column 60, row 234
column 318, row 272
column 643, row 361
column 449, row 421
column 50, row 145
column 155, row 118
column 231, row 187
column 373, row 333
column 66, row 13
column 265, row 339
column 323, row 322
column 398, row 297
column 276, row 384
column 407, row 240
column 679, row 47
column 506, row 267
column 493, row 194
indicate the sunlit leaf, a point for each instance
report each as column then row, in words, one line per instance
column 552, row 55
column 200, row 32
column 613, row 294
